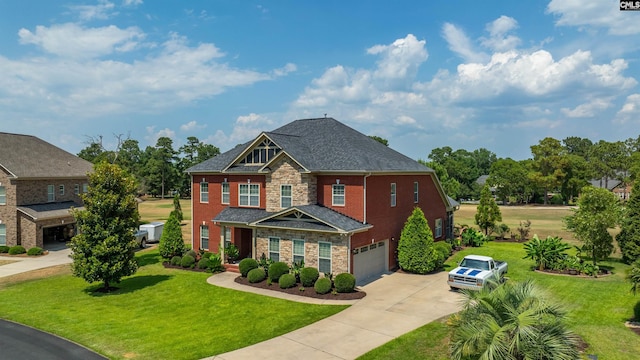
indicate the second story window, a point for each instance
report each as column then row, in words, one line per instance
column 337, row 192
column 225, row 193
column 76, row 189
column 249, row 195
column 393, row 194
column 415, row 192
column 85, row 188
column 51, row 193
column 285, row 196
column 3, row 195
column 61, row 187
column 204, row 192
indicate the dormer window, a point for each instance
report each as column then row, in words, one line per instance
column 261, row 153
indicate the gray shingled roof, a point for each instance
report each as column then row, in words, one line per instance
column 50, row 210
column 330, row 220
column 322, row 145
column 609, row 184
column 26, row 156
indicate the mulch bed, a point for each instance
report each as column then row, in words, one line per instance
column 308, row 292
column 168, row 265
column 601, row 273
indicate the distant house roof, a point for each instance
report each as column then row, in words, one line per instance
column 608, row 184
column 304, row 217
column 319, row 145
column 26, row 156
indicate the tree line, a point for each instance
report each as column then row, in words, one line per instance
column 159, row 170
column 559, row 167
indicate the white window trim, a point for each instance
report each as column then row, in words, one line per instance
column 61, row 190
column 416, row 197
column 4, row 197
column 204, row 192
column 329, row 258
column 226, row 239
column 76, row 189
column 223, row 193
column 4, row 234
column 270, row 251
column 293, row 254
column 85, row 188
column 51, row 193
column 202, row 237
column 290, row 196
column 393, row 195
column 438, row 232
column 333, row 195
column 249, row 186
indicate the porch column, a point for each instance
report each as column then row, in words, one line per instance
column 223, row 230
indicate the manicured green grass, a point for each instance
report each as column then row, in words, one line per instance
column 598, row 307
column 156, row 314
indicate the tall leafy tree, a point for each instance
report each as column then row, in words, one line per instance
column 484, row 159
column 193, row 152
column 450, row 186
column 103, row 249
column 416, row 250
column 514, row 321
column 598, row 210
column 161, row 172
column 549, row 162
column 606, row 159
column 488, row 213
column 577, row 176
column 629, row 237
column 379, row 139
column 575, row 145
column 634, row 278
column 509, row 178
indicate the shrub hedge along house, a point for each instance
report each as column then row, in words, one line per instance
column 315, row 190
column 39, row 183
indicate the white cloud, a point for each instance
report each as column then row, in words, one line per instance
column 460, row 44
column 630, row 111
column 588, row 109
column 191, row 126
column 72, row 40
column 153, row 135
column 594, row 14
column 79, row 82
column 399, row 60
column 245, row 128
column 499, row 38
column 131, row 3
column 404, row 120
column 285, row 70
column 102, row 11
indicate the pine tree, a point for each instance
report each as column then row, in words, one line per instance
column 104, row 248
column 177, row 208
column 629, row 236
column 416, row 251
column 171, row 241
column 488, row 213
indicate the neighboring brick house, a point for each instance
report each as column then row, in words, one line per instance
column 39, row 184
column 315, row 190
column 617, row 187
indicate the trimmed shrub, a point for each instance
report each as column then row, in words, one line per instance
column 187, row 261
column 636, row 311
column 15, row 250
column 308, row 276
column 191, row 253
column 416, row 252
column 4, row 249
column 215, row 263
column 35, row 251
column 344, row 283
column 444, row 251
column 206, row 255
column 176, row 260
column 256, row 275
column 247, row 265
column 171, row 241
column 322, row 285
column 277, row 269
column 287, row 281
column 203, row 263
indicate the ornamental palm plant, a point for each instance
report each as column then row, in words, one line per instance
column 513, row 321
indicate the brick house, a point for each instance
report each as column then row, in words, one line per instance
column 315, row 190
column 39, row 184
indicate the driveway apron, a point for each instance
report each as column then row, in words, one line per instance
column 395, row 304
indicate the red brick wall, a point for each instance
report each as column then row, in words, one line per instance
column 203, row 213
column 354, row 194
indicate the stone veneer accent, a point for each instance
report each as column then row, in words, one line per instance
column 286, row 172
column 339, row 248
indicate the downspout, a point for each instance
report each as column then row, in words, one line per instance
column 349, row 255
column 365, row 200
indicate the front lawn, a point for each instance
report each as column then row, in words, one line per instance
column 598, row 308
column 156, row 314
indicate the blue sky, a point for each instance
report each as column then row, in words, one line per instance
column 423, row 74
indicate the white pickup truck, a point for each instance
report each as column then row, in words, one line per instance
column 141, row 237
column 474, row 271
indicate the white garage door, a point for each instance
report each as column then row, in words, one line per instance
column 370, row 261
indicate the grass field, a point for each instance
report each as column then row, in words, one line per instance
column 156, row 209
column 598, row 307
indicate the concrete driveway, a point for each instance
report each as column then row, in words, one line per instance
column 394, row 305
column 58, row 255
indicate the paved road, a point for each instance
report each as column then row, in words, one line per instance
column 26, row 343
